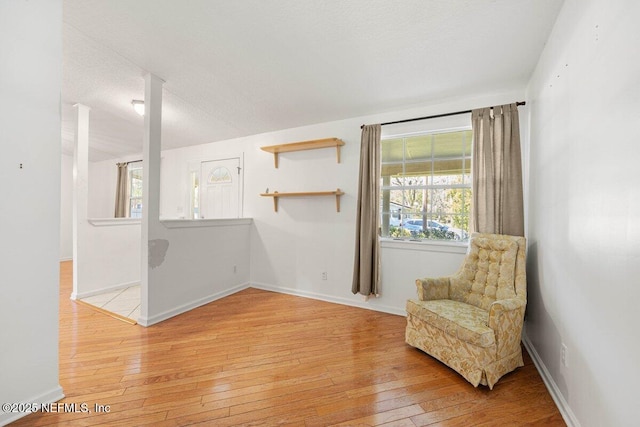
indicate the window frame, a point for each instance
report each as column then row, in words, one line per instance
column 439, row 245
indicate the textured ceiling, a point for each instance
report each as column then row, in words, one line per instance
column 236, row 68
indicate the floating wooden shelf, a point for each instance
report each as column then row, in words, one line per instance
column 277, row 195
column 304, row 145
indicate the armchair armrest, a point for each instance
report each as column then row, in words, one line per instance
column 512, row 306
column 433, row 288
column 506, row 319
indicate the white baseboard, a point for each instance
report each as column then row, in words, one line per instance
column 66, row 259
column 329, row 298
column 47, row 397
column 148, row 321
column 82, row 295
column 564, row 408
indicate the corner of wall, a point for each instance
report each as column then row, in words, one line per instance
column 563, row 406
column 51, row 396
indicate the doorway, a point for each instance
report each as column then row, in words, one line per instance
column 219, row 188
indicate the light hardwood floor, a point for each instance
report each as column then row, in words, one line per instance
column 262, row 358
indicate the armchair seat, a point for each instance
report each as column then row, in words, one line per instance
column 472, row 321
column 462, row 321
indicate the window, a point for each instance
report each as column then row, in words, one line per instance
column 194, row 195
column 135, row 189
column 426, row 185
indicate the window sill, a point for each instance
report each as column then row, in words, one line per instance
column 189, row 223
column 424, row 246
column 105, row 222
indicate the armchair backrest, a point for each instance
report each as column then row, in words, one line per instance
column 494, row 269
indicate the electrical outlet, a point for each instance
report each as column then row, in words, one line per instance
column 324, row 275
column 563, row 355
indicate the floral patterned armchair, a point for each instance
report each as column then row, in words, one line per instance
column 472, row 321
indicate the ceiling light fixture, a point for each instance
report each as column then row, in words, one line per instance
column 138, row 106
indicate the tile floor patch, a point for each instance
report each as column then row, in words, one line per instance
column 125, row 302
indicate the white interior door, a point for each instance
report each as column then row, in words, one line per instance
column 220, row 188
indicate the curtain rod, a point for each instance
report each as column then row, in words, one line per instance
column 435, row 116
column 134, row 161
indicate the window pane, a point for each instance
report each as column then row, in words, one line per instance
column 392, row 181
column 415, row 180
column 414, row 199
column 440, row 204
column 135, row 190
column 422, row 168
column 392, row 169
column 398, row 232
column 426, row 186
column 396, row 198
column 451, row 166
column 460, row 199
column 459, row 229
column 451, row 144
column 392, row 150
column 136, row 182
column 135, row 208
column 418, row 148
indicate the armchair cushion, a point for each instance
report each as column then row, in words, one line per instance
column 488, row 272
column 457, row 319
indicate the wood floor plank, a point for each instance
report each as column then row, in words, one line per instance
column 258, row 358
column 405, row 422
column 385, row 417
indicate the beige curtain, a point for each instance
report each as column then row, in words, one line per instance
column 122, row 198
column 366, row 272
column 497, row 171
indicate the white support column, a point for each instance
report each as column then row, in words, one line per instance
column 80, row 192
column 151, row 147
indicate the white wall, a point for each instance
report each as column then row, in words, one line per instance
column 109, row 257
column 107, row 254
column 30, row 80
column 109, row 251
column 66, row 208
column 584, row 256
column 198, row 265
column 291, row 248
